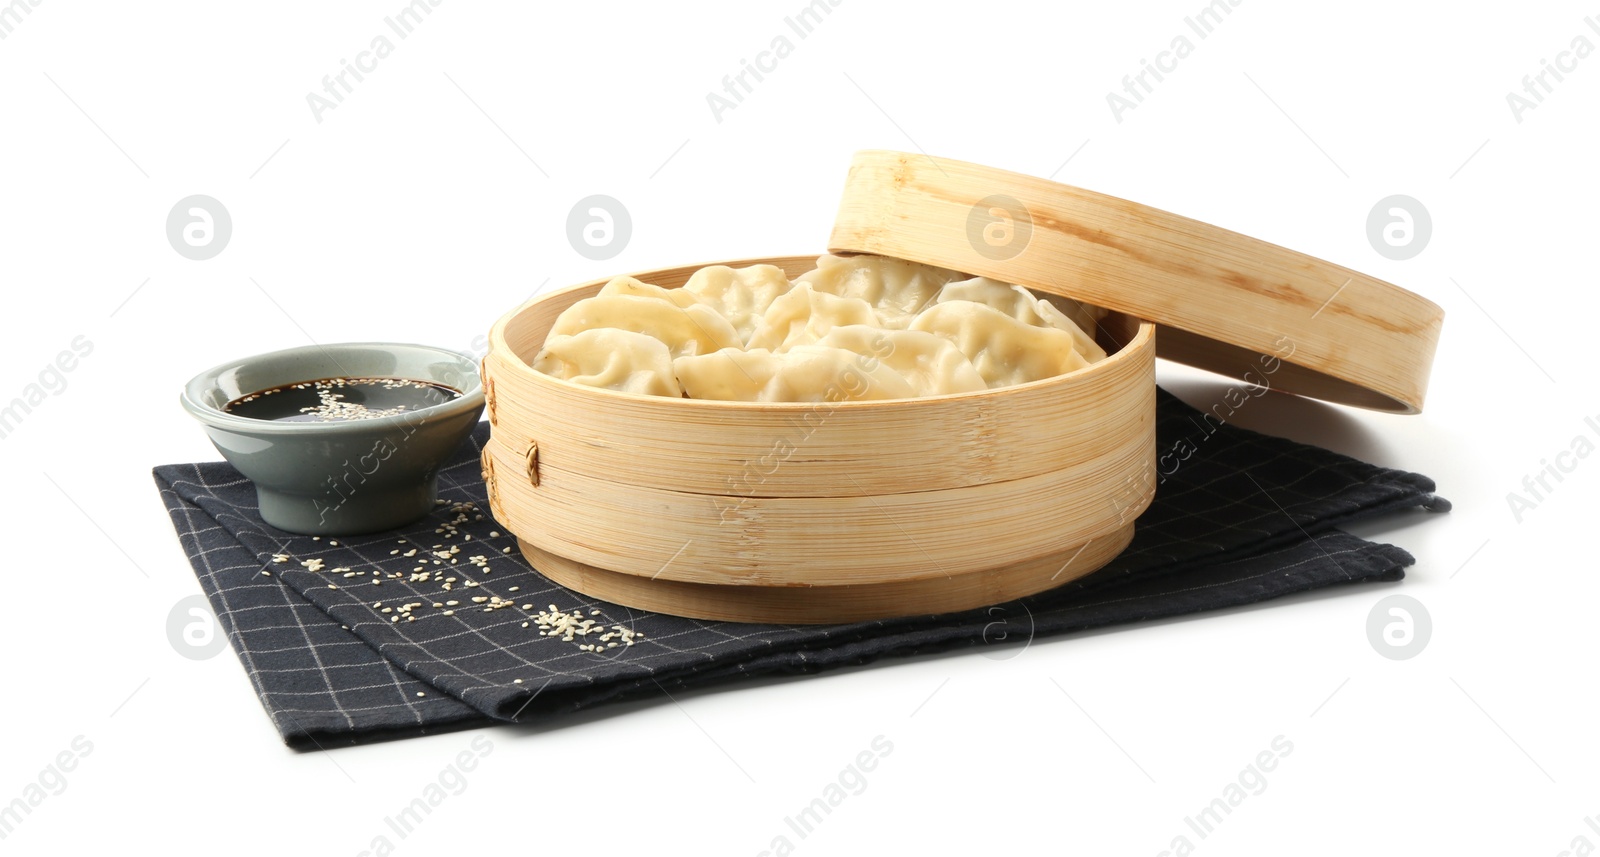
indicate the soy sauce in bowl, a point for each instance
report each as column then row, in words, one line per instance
column 341, row 400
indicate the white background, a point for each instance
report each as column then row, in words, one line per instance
column 412, row 213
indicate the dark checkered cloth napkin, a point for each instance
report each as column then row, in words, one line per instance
column 1244, row 518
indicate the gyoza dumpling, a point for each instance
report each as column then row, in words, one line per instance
column 931, row 363
column 1024, row 306
column 634, row 288
column 1003, row 350
column 614, row 359
column 742, row 295
column 805, row 373
column 804, row 315
column 686, row 330
column 897, row 289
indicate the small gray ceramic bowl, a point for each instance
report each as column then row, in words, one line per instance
column 340, row 478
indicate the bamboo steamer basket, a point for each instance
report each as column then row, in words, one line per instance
column 814, row 513
column 800, row 513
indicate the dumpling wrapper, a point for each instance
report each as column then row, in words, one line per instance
column 1086, row 317
column 1004, row 350
column 1024, row 306
column 804, row 315
column 931, row 363
column 805, row 373
column 742, row 295
column 612, row 359
column 636, row 288
column 686, row 330
column 895, row 288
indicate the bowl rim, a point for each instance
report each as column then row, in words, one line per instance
column 1144, row 331
column 213, row 417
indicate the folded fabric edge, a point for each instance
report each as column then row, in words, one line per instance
column 333, row 736
column 1112, row 577
column 1376, row 563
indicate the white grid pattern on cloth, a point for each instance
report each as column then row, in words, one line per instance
column 1235, row 546
column 231, row 578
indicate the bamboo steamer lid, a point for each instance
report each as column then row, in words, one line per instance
column 1224, row 301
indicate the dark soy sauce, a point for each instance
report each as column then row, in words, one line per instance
column 341, row 400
